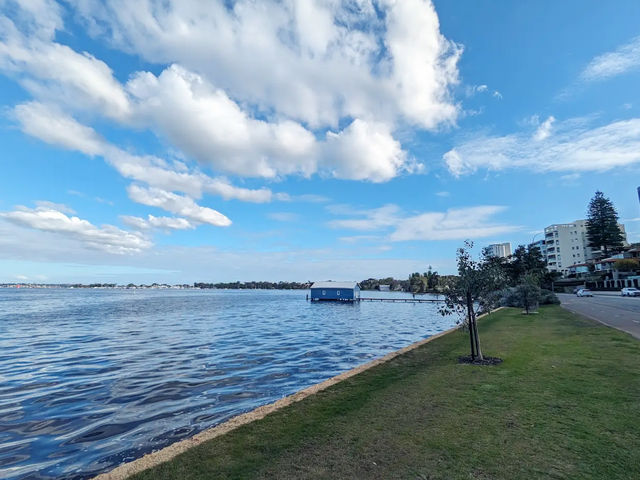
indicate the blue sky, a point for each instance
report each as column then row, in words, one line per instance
column 303, row 140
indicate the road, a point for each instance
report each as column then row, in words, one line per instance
column 615, row 311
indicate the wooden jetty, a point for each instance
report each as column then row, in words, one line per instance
column 401, row 300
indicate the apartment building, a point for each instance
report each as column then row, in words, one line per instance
column 541, row 245
column 501, row 249
column 567, row 244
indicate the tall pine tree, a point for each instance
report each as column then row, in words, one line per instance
column 603, row 232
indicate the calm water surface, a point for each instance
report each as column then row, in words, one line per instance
column 92, row 378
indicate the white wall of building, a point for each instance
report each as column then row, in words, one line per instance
column 501, row 249
column 567, row 244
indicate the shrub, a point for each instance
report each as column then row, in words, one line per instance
column 509, row 298
column 549, row 298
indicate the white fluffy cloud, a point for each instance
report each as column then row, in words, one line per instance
column 249, row 89
column 626, row 57
column 161, row 174
column 106, row 238
column 163, row 223
column 52, row 71
column 46, row 205
column 50, row 124
column 314, row 61
column 313, row 66
column 39, row 18
column 573, row 147
column 424, row 64
column 453, row 224
column 177, row 204
column 206, row 124
column 544, row 130
column 364, row 151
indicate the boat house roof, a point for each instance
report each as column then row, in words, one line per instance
column 335, row 285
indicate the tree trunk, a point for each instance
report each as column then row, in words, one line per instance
column 473, row 353
column 470, row 324
column 477, row 338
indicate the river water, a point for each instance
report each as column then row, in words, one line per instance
column 92, row 378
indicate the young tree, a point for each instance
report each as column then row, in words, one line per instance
column 603, row 232
column 471, row 292
column 528, row 292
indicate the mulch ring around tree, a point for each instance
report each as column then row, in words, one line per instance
column 485, row 361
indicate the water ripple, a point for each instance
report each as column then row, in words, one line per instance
column 92, row 378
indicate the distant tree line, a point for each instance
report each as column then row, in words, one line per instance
column 255, row 285
column 394, row 285
column 430, row 281
column 427, row 282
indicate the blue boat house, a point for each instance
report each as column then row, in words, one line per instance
column 335, row 291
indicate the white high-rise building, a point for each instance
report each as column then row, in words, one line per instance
column 567, row 244
column 542, row 246
column 501, row 249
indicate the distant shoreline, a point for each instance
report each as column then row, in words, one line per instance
column 164, row 286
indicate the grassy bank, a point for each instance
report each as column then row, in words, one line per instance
column 564, row 404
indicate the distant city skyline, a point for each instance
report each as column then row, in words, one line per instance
column 180, row 142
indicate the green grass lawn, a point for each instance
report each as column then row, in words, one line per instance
column 565, row 403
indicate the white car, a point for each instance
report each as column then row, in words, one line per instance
column 630, row 292
column 584, row 292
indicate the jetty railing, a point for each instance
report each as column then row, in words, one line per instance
column 402, row 300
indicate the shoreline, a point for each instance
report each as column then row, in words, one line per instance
column 169, row 452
